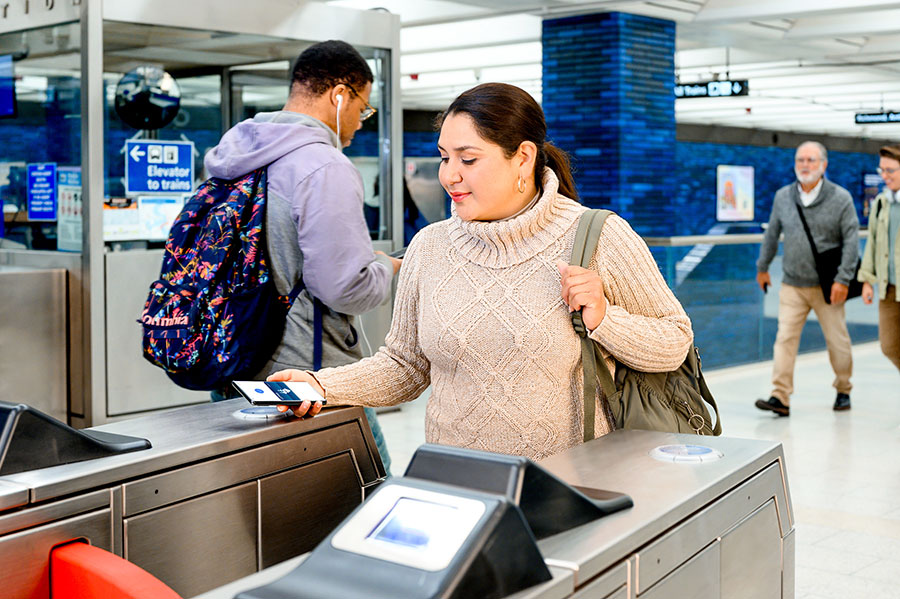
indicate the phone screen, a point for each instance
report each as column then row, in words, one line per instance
column 265, row 393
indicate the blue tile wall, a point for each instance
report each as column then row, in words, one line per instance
column 420, row 144
column 773, row 168
column 416, row 144
column 365, row 143
column 607, row 96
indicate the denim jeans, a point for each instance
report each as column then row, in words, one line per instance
column 380, row 443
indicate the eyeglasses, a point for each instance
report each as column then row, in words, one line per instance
column 806, row 160
column 368, row 111
column 889, row 171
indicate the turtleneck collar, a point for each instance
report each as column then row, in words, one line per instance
column 527, row 207
column 496, row 244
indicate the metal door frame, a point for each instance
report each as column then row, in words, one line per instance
column 301, row 21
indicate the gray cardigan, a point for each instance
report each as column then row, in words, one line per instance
column 833, row 223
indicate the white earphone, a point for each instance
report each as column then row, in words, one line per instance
column 340, row 100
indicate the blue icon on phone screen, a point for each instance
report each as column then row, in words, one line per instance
column 258, row 390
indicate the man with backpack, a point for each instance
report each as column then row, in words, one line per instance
column 315, row 228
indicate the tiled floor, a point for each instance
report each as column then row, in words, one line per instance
column 843, row 467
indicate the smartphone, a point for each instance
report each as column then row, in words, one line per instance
column 398, row 253
column 272, row 393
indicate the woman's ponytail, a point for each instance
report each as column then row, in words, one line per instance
column 559, row 162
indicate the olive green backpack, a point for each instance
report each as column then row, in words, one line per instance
column 660, row 401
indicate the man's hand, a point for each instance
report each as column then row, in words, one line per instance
column 764, row 280
column 306, row 408
column 582, row 289
column 395, row 262
column 838, row 293
column 868, row 293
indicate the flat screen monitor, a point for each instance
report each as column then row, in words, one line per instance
column 7, row 87
column 413, row 523
column 410, row 526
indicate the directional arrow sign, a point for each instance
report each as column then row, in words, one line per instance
column 712, row 89
column 159, row 166
column 136, row 153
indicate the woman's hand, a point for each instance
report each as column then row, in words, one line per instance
column 868, row 293
column 306, row 408
column 582, row 289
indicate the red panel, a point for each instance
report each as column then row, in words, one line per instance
column 81, row 571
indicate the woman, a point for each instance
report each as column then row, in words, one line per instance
column 483, row 300
column 882, row 254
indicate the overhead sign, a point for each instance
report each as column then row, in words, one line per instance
column 868, row 118
column 712, row 89
column 156, row 166
column 42, row 191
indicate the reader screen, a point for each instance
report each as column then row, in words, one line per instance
column 413, row 523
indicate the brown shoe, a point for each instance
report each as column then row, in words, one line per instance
column 841, row 402
column 773, row 404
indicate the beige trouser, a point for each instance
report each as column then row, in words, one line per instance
column 794, row 304
column 889, row 326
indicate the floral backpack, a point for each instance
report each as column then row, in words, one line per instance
column 214, row 314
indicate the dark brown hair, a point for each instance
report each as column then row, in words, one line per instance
column 892, row 152
column 326, row 64
column 506, row 115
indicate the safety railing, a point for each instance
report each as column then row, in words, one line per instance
column 714, row 277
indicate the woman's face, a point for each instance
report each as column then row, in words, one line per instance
column 480, row 179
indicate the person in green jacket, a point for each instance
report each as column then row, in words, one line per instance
column 882, row 254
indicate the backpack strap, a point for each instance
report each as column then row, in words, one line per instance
column 586, row 239
column 317, row 334
column 318, row 309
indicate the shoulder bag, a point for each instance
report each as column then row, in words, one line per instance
column 828, row 263
column 672, row 402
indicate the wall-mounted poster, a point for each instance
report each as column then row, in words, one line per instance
column 734, row 197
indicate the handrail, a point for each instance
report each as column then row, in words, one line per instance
column 733, row 239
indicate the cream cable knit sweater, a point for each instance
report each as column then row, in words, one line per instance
column 479, row 316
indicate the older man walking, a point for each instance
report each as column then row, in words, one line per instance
column 832, row 221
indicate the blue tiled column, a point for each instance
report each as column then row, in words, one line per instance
column 608, row 98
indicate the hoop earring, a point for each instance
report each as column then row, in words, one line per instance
column 520, row 184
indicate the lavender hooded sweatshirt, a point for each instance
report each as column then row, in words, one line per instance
column 315, row 227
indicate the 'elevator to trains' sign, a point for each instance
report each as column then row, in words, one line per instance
column 159, row 166
column 712, row 89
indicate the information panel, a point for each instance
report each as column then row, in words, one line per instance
column 68, row 193
column 157, row 166
column 156, row 215
column 42, row 191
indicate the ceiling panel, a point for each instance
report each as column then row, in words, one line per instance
column 811, row 63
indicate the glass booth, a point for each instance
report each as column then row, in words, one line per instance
column 75, row 111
